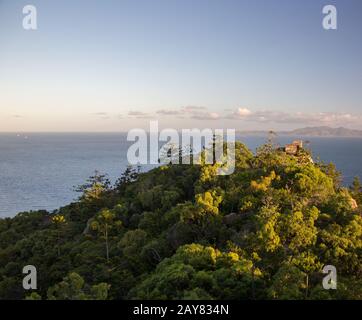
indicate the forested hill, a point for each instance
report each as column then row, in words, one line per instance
column 182, row 232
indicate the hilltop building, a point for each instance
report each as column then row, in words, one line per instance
column 294, row 147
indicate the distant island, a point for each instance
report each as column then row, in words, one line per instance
column 322, row 131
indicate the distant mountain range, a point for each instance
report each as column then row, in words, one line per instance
column 310, row 132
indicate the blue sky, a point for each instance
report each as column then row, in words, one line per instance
column 244, row 64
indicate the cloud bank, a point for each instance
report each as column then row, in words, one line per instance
column 282, row 117
column 244, row 114
column 265, row 116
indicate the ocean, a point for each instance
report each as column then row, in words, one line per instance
column 40, row 170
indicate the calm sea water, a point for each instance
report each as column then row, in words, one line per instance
column 38, row 171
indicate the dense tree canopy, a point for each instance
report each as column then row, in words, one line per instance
column 183, row 232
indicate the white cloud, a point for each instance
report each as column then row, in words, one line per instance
column 205, row 116
column 193, row 108
column 101, row 115
column 139, row 115
column 243, row 112
column 192, row 112
column 169, row 112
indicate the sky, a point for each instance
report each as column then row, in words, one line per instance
column 95, row 65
